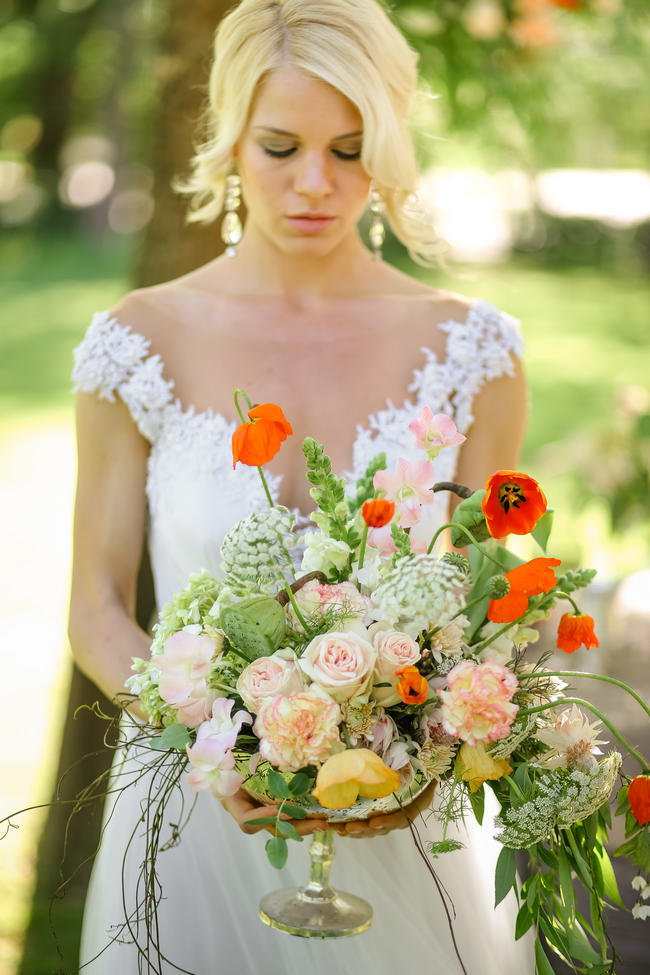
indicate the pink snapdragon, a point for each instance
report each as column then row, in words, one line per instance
column 477, row 706
column 211, row 755
column 409, row 487
column 432, row 433
column 184, row 665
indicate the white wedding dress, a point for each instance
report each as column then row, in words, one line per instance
column 213, row 880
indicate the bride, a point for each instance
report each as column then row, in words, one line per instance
column 308, row 108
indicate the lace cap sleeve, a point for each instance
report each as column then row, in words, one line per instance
column 113, row 360
column 478, row 350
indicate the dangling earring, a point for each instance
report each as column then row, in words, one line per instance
column 377, row 232
column 231, row 228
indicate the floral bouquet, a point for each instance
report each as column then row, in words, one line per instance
column 339, row 671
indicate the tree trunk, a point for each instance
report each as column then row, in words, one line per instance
column 171, row 246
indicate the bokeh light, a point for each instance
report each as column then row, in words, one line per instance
column 86, row 184
column 21, row 134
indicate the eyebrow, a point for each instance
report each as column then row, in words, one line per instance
column 292, row 135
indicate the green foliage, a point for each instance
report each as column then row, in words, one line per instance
column 505, row 876
column 328, row 493
column 401, row 541
column 277, row 851
column 175, row 736
column 365, row 487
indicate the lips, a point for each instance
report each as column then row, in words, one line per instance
column 310, row 223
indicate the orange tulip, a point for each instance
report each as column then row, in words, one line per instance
column 377, row 513
column 412, row 687
column 513, row 504
column 257, row 442
column 574, row 630
column 529, row 579
column 638, row 794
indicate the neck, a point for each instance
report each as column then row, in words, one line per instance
column 302, row 278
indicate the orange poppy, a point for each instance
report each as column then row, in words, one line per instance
column 574, row 630
column 529, row 579
column 377, row 513
column 257, row 442
column 513, row 504
column 412, row 687
column 638, row 795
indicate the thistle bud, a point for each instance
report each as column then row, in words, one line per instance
column 255, row 626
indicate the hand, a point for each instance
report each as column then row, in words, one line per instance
column 242, row 808
column 385, row 823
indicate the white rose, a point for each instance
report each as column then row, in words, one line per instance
column 339, row 663
column 268, row 676
column 323, row 553
column 394, row 649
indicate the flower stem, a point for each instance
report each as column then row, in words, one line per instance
column 586, row 704
column 580, row 673
column 240, row 392
column 362, row 547
column 266, row 488
column 513, row 785
column 467, row 532
column 460, row 489
column 565, row 595
column 495, row 636
column 294, row 604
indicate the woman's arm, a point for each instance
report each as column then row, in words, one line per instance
column 108, row 532
column 495, row 439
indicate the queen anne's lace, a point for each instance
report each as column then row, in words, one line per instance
column 420, row 593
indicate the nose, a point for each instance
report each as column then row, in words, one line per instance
column 313, row 178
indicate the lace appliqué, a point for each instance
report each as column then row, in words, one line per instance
column 112, row 359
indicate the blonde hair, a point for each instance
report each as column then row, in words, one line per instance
column 351, row 45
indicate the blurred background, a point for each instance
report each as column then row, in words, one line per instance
column 533, row 133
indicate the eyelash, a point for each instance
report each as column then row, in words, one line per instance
column 282, row 154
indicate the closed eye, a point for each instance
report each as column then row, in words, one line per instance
column 283, row 153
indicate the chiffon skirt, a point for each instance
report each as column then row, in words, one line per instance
column 213, row 880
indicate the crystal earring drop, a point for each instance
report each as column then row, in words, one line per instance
column 377, row 230
column 231, row 228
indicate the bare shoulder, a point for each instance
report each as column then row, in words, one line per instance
column 449, row 303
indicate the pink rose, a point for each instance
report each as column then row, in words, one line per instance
column 298, row 729
column 268, row 676
column 477, row 706
column 341, row 663
column 394, row 649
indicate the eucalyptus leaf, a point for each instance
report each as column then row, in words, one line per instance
column 278, row 785
column 277, row 851
column 174, row 736
column 299, row 784
column 261, row 821
column 288, row 829
column 296, row 812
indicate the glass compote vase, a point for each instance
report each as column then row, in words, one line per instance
column 319, row 910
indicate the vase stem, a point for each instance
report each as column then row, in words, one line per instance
column 321, row 852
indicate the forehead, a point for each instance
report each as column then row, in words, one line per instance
column 294, row 101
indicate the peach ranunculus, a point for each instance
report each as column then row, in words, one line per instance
column 318, row 597
column 475, row 765
column 340, row 663
column 409, row 487
column 352, row 773
column 268, row 676
column 477, row 706
column 184, row 665
column 394, row 649
column 298, row 729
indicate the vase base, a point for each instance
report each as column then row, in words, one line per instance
column 293, row 911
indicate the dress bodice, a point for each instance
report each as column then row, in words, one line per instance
column 194, row 495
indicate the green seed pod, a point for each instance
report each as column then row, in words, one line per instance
column 498, row 587
column 469, row 513
column 255, row 626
